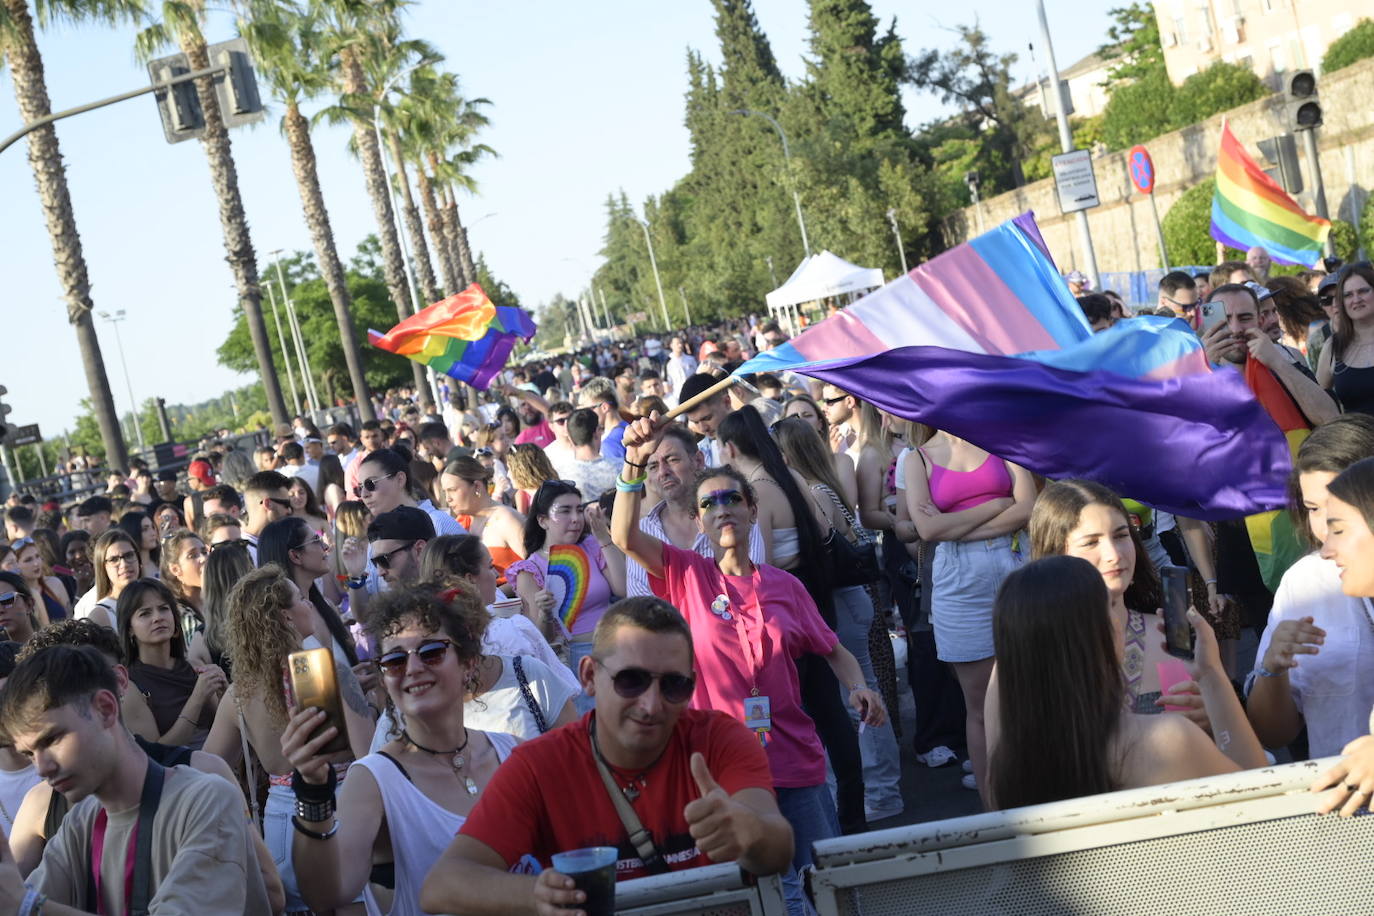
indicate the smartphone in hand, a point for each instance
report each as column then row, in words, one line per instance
column 314, row 684
column 1178, row 633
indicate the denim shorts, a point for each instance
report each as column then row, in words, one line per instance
column 965, row 577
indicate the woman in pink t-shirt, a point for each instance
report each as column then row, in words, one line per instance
column 748, row 624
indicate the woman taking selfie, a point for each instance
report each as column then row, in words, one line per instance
column 403, row 804
column 1048, row 742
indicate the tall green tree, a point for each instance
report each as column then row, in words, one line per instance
column 289, row 52
column 1132, row 47
column 19, row 48
column 180, row 25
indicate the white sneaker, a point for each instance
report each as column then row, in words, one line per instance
column 937, row 757
column 968, row 782
column 968, row 766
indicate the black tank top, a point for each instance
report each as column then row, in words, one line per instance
column 1354, row 387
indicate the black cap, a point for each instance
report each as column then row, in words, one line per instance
column 1328, row 281
column 404, row 523
column 167, row 475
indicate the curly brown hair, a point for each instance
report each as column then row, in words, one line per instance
column 452, row 607
column 260, row 638
column 529, row 466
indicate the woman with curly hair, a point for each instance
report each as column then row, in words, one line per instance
column 269, row 619
column 529, row 468
column 404, row 803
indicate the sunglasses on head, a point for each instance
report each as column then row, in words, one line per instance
column 383, row 560
column 8, row 599
column 720, row 498
column 633, row 682
column 431, row 652
column 237, row 542
column 370, row 485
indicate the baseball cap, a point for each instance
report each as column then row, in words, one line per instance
column 201, row 470
column 1077, row 276
column 404, row 523
column 1328, row 281
column 167, row 475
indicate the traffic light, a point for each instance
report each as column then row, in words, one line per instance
column 5, row 426
column 1282, row 151
column 1302, row 108
column 236, row 89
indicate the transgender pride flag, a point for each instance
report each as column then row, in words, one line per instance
column 985, row 342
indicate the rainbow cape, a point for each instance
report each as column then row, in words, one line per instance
column 568, row 577
column 465, row 336
column 1272, row 537
column 985, row 342
column 1249, row 208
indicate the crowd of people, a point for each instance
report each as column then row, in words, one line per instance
column 557, row 617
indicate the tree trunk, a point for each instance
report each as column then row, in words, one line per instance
column 370, row 154
column 322, row 234
column 419, row 250
column 45, row 158
column 436, row 230
column 461, row 235
column 234, row 224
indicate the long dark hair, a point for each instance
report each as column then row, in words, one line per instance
column 1056, row 513
column 331, row 471
column 1051, row 627
column 312, row 502
column 1355, row 487
column 275, row 544
column 131, row 523
column 129, row 600
column 746, row 431
column 1332, row 447
column 548, row 491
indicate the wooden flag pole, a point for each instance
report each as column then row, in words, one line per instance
column 688, row 404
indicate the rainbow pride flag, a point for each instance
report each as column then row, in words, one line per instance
column 568, row 578
column 985, row 342
column 465, row 336
column 1249, row 208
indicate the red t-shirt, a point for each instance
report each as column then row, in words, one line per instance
column 772, row 622
column 548, row 797
column 541, row 434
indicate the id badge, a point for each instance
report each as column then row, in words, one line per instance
column 758, row 713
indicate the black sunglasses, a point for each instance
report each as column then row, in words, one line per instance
column 632, row 682
column 431, row 652
column 284, row 503
column 835, row 400
column 8, row 599
column 239, row 542
column 383, row 560
column 370, row 485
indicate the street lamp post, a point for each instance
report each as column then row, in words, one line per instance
column 285, row 353
column 114, row 320
column 653, row 262
column 897, row 231
column 787, row 162
column 307, row 379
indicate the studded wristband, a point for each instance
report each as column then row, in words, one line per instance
column 314, row 812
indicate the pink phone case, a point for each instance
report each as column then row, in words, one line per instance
column 1171, row 672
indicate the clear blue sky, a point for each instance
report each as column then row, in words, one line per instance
column 587, row 98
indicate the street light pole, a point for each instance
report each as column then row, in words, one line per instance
column 897, row 231
column 653, row 262
column 114, row 320
column 787, row 162
column 285, row 353
column 1066, row 138
column 307, row 382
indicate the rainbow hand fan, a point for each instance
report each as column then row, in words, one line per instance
column 568, row 577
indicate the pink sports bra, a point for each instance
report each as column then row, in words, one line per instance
column 954, row 491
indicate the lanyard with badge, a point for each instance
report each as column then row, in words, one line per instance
column 757, row 708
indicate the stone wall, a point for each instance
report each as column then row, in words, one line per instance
column 1122, row 228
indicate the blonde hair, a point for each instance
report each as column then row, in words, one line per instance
column 260, row 638
column 350, row 521
column 529, row 466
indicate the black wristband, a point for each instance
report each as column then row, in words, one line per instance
column 309, row 792
column 637, row 467
column 315, row 834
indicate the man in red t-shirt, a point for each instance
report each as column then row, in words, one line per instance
column 697, row 779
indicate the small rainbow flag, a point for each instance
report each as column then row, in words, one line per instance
column 1249, row 208
column 465, row 336
column 570, row 569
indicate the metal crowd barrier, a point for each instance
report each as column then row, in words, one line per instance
column 1243, row 844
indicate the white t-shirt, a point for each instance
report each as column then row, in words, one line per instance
column 14, row 785
column 1334, row 689
column 517, row 635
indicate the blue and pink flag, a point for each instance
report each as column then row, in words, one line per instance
column 985, row 342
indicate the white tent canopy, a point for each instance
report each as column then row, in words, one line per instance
column 821, row 276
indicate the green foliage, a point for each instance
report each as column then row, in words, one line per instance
column 1344, row 239
column 1187, row 226
column 1132, row 43
column 1152, row 105
column 1355, row 45
column 1367, row 226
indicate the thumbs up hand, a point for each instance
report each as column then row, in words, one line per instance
column 723, row 828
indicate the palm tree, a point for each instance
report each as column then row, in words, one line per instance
column 285, row 39
column 181, row 24
column 19, row 47
column 351, row 25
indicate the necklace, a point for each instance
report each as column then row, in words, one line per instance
column 636, row 783
column 456, row 758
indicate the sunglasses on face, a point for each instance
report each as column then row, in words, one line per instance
column 835, row 400
column 284, row 503
column 431, row 652
column 308, row 543
column 370, row 485
column 633, row 682
column 721, row 498
column 383, row 560
column 561, row 421
column 480, row 453
column 8, row 599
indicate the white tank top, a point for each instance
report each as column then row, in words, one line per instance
column 420, row 829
